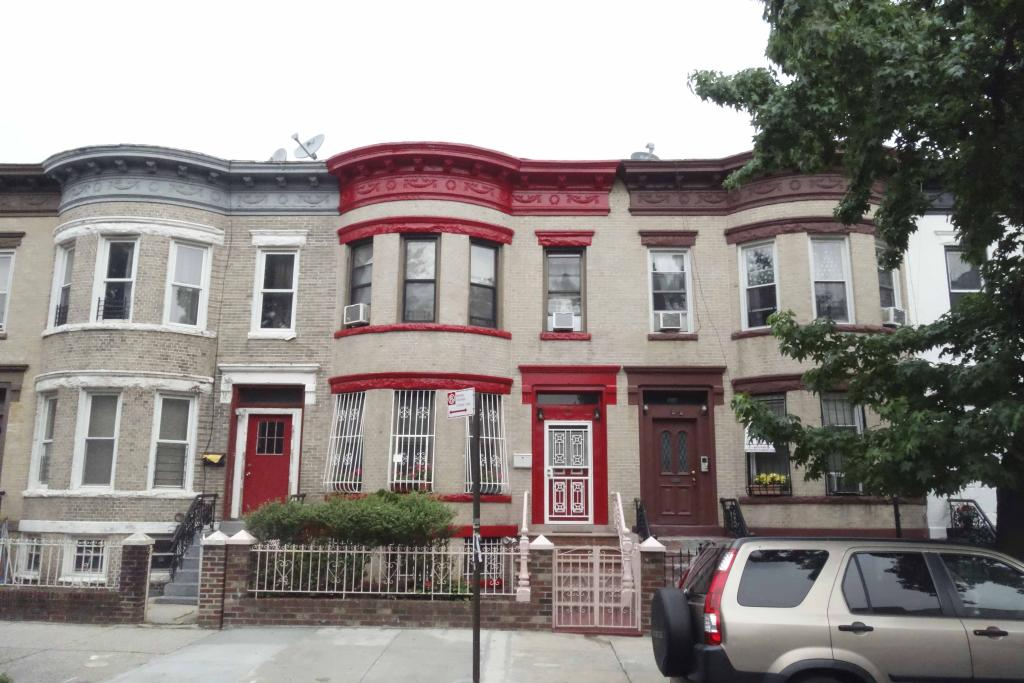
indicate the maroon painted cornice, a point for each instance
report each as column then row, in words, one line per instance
column 424, row 225
column 768, row 384
column 812, row 225
column 668, row 238
column 565, row 336
column 463, row 173
column 564, row 238
column 420, row 380
column 708, row 377
column 600, row 378
column 422, row 327
column 672, row 336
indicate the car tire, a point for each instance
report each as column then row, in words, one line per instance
column 671, row 632
column 819, row 679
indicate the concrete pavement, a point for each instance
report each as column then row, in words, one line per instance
column 44, row 653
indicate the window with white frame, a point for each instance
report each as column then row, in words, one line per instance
column 412, row 440
column 44, row 439
column 963, row 277
column 888, row 282
column 493, row 454
column 172, row 442
column 669, row 278
column 768, row 463
column 419, row 280
column 483, row 284
column 6, row 273
column 564, row 288
column 758, row 278
column 117, row 284
column 27, row 558
column 98, row 439
column 62, row 284
column 86, row 561
column 361, row 273
column 344, row 471
column 830, row 265
column 837, row 411
column 187, row 285
column 277, row 280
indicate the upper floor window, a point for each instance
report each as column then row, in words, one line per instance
column 669, row 271
column 361, row 275
column 758, row 279
column 96, row 446
column 412, row 441
column 963, row 277
column 62, row 284
column 830, row 265
column 172, row 452
column 118, row 266
column 277, row 280
column 888, row 282
column 483, row 285
column 564, row 290
column 6, row 273
column 837, row 411
column 44, row 440
column 419, row 276
column 187, row 285
column 344, row 470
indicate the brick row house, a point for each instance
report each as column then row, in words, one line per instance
column 304, row 319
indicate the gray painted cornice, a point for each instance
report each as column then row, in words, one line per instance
column 144, row 173
column 26, row 191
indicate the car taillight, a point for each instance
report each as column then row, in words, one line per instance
column 713, row 602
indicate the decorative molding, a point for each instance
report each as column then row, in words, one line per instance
column 564, row 238
column 145, row 173
column 12, row 377
column 290, row 239
column 672, row 336
column 419, row 225
column 256, row 374
column 125, row 325
column 668, row 238
column 463, row 173
column 756, row 332
column 26, row 191
column 46, row 526
column 123, row 379
column 812, row 225
column 768, row 384
column 420, row 380
column 134, row 225
column 709, row 377
column 554, row 378
column 565, row 336
column 468, row 498
column 422, row 327
column 11, row 240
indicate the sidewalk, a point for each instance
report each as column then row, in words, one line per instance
column 58, row 653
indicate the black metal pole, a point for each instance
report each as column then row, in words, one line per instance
column 474, row 468
column 896, row 516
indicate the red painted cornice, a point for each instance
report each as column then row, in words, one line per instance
column 812, row 225
column 422, row 327
column 564, row 238
column 420, row 380
column 463, row 173
column 424, row 225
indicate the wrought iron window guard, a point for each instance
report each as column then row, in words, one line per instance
column 60, row 316
column 113, row 309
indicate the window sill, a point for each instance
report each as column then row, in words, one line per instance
column 272, row 334
column 468, row 498
column 754, row 332
column 565, row 336
column 96, row 492
column 422, row 327
column 672, row 336
column 851, row 499
column 127, row 325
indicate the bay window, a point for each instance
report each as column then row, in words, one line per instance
column 344, row 471
column 483, row 285
column 117, row 283
column 830, row 267
column 97, row 441
column 62, row 285
column 419, row 278
column 412, row 441
column 360, row 273
column 493, row 455
column 758, row 280
column 837, row 411
column 187, row 285
column 44, row 440
column 768, row 463
column 172, row 443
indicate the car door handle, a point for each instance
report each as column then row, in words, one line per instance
column 856, row 627
column 991, row 632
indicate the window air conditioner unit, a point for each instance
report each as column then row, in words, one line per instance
column 357, row 314
column 893, row 317
column 563, row 322
column 670, row 321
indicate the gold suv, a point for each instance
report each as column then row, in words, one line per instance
column 806, row 610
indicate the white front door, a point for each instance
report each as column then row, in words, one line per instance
column 568, row 472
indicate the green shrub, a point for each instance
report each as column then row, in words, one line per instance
column 381, row 518
column 4, row 678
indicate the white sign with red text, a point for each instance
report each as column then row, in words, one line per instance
column 461, row 403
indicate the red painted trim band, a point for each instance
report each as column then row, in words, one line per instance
column 420, row 225
column 486, row 531
column 420, row 380
column 565, row 336
column 468, row 498
column 422, row 327
column 564, row 238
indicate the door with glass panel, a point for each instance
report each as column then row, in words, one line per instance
column 568, row 468
column 267, row 460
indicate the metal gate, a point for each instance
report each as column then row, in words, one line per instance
column 595, row 590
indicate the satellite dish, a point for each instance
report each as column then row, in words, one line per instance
column 645, row 156
column 280, row 155
column 309, row 147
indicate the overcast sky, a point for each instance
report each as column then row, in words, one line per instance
column 551, row 80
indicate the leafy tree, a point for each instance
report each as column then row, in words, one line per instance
column 918, row 94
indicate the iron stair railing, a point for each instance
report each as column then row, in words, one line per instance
column 200, row 514
column 969, row 523
column 643, row 526
column 732, row 515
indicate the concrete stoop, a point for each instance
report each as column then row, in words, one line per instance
column 183, row 589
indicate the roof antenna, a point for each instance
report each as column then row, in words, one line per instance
column 309, row 147
column 645, row 156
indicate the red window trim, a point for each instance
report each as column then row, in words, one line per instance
column 565, row 336
column 468, row 498
column 420, row 380
column 422, row 327
column 668, row 238
column 486, row 531
column 424, row 225
column 564, row 238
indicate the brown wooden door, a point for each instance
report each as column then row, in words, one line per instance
column 672, row 479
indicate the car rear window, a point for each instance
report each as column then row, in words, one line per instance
column 779, row 578
column 890, row 583
column 698, row 579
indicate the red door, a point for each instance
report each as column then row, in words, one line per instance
column 268, row 450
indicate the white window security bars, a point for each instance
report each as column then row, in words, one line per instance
column 412, row 441
column 59, row 563
column 417, row 572
column 344, row 472
column 493, row 453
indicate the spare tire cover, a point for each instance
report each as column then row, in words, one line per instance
column 671, row 632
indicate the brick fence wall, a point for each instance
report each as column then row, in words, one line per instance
column 126, row 605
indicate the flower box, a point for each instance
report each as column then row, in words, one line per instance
column 769, row 490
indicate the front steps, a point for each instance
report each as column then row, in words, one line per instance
column 184, row 588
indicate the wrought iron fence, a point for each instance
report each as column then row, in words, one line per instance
column 676, row 564
column 443, row 571
column 75, row 563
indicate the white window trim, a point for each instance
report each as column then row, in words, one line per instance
column 21, row 570
column 687, row 278
column 241, row 434
column 58, row 281
column 255, row 331
column 82, row 429
column 847, row 275
column 68, row 573
column 100, row 276
column 190, row 444
column 37, row 441
column 744, row 318
column 430, row 436
column 9, row 285
column 204, row 285
column 897, row 291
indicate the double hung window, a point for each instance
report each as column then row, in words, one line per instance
column 361, row 273
column 344, row 472
column 86, row 562
column 118, row 282
column 768, row 463
column 172, row 448
column 564, row 290
column 187, row 285
column 6, row 273
column 830, row 263
column 837, row 411
column 98, row 440
column 963, row 277
column 412, row 441
column 419, row 292
column 44, row 439
column 62, row 293
column 483, row 285
column 493, row 455
column 669, row 272
column 758, row 280
column 888, row 283
column 277, row 281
